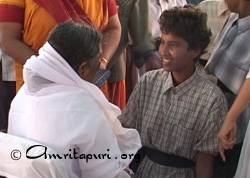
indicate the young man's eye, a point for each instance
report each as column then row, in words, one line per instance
column 174, row 45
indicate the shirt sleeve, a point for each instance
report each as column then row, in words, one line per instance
column 12, row 11
column 207, row 139
column 112, row 7
column 130, row 115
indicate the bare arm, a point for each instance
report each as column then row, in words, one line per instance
column 111, row 38
column 227, row 134
column 11, row 44
column 204, row 165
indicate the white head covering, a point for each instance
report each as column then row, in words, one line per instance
column 47, row 70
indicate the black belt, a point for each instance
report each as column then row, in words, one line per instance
column 168, row 159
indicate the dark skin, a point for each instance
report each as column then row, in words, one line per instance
column 87, row 70
column 204, row 165
column 10, row 41
column 111, row 38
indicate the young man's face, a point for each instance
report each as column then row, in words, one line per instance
column 175, row 54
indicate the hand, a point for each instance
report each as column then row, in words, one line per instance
column 227, row 137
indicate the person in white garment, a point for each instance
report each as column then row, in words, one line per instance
column 59, row 107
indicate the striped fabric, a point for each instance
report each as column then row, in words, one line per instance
column 101, row 77
column 181, row 120
column 232, row 66
column 230, row 61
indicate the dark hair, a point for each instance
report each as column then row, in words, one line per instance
column 75, row 42
column 188, row 23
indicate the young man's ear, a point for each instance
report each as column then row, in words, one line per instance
column 195, row 53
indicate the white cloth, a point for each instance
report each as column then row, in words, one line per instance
column 156, row 7
column 14, row 163
column 248, row 74
column 57, row 108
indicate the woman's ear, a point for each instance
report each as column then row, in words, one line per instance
column 83, row 70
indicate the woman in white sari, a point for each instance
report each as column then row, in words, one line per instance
column 59, row 107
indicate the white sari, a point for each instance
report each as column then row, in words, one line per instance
column 57, row 108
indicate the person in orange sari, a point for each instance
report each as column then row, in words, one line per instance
column 26, row 24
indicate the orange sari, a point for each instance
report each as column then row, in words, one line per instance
column 38, row 22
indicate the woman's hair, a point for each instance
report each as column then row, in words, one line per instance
column 188, row 23
column 76, row 43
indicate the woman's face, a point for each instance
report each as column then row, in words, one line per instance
column 88, row 70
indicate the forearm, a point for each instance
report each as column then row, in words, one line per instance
column 11, row 43
column 111, row 38
column 18, row 51
column 241, row 102
column 204, row 165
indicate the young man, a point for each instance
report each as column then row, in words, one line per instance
column 230, row 63
column 59, row 107
column 177, row 111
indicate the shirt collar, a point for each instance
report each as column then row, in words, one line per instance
column 181, row 88
column 168, row 81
